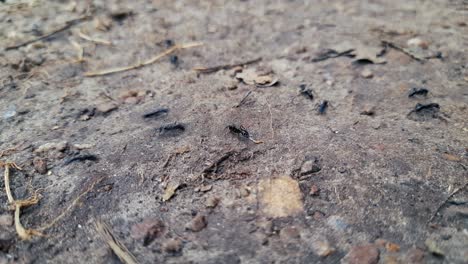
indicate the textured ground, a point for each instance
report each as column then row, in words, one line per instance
column 368, row 181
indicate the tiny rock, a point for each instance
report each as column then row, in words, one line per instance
column 40, row 165
column 244, row 192
column 318, row 216
column 206, row 188
column 414, row 255
column 106, row 107
column 6, row 220
column 172, row 246
column 290, row 232
column 434, row 247
column 392, row 247
column 197, row 224
column 314, row 190
column 309, row 167
column 212, row 202
column 322, row 248
column 148, row 229
column 59, row 146
column 417, row 42
column 366, row 73
column 231, row 85
column 380, row 242
column 280, row 197
column 363, row 254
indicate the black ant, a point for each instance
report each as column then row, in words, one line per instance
column 241, row 131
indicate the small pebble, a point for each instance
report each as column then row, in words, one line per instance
column 6, row 220
column 106, row 107
column 322, row 248
column 206, row 188
column 290, row 232
column 212, row 202
column 362, row 254
column 172, row 245
column 59, row 146
column 40, row 165
column 314, row 190
column 366, row 73
column 148, row 229
column 197, row 224
column 417, row 42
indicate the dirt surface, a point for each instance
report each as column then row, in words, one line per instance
column 369, row 176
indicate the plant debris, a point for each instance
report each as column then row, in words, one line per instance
column 170, row 190
column 213, row 168
column 144, row 63
column 95, row 40
column 415, row 91
column 392, row 45
column 244, row 99
column 225, row 66
column 259, row 79
column 178, row 151
column 242, row 132
column 23, row 233
column 119, row 249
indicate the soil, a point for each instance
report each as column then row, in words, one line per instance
column 370, row 177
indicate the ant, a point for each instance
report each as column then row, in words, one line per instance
column 241, row 131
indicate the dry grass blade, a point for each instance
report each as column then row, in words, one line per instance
column 145, row 63
column 95, row 40
column 116, row 246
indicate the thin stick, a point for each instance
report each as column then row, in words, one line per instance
column 67, row 25
column 116, row 246
column 95, row 40
column 243, row 99
column 141, row 64
column 225, row 67
column 445, row 201
column 73, row 204
column 403, row 50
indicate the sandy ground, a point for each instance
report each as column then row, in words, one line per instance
column 345, row 142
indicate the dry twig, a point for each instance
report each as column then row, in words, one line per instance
column 403, row 50
column 225, row 67
column 116, row 246
column 145, row 63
